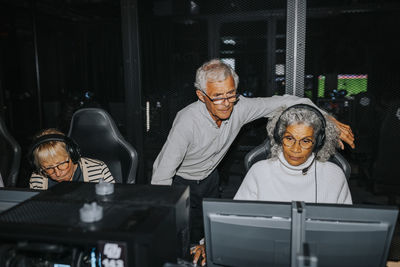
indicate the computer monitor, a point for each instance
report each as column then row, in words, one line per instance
column 352, row 83
column 321, row 86
column 257, row 233
column 343, row 235
column 241, row 233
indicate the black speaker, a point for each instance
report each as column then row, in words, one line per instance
column 320, row 136
column 71, row 147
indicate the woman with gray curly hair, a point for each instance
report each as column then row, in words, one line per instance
column 302, row 140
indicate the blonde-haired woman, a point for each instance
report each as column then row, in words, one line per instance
column 56, row 158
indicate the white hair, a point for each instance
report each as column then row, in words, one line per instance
column 214, row 71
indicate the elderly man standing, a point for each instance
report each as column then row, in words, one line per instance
column 203, row 131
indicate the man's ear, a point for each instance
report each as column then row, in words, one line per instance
column 200, row 95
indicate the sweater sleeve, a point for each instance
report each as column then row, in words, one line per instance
column 248, row 190
column 173, row 152
column 37, row 182
column 255, row 108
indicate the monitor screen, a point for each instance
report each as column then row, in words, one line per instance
column 352, row 83
column 347, row 84
column 344, row 235
column 257, row 233
column 247, row 233
column 321, row 86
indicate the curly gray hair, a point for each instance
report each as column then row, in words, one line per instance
column 303, row 116
column 213, row 71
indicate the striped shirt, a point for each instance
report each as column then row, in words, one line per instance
column 92, row 169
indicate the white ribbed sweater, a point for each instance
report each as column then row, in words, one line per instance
column 277, row 180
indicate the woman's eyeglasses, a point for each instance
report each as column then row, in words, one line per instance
column 305, row 143
column 60, row 166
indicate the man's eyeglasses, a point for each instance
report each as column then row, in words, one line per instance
column 60, row 166
column 231, row 98
column 305, row 143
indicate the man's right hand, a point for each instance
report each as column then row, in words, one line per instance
column 197, row 252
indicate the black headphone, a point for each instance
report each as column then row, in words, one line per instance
column 71, row 147
column 320, row 137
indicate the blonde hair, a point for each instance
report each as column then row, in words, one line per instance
column 49, row 149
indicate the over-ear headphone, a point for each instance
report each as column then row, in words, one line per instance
column 320, row 136
column 70, row 145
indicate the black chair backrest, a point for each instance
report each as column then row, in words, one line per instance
column 98, row 137
column 258, row 153
column 262, row 152
column 10, row 156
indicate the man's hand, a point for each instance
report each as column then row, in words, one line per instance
column 198, row 251
column 346, row 134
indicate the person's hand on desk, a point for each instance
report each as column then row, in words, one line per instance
column 197, row 252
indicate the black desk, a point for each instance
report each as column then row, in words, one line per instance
column 9, row 197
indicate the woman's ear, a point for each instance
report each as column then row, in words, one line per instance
column 200, row 95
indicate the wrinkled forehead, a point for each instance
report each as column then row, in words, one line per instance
column 300, row 130
column 224, row 86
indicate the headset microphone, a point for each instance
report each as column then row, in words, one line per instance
column 305, row 170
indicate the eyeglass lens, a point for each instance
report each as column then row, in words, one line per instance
column 61, row 166
column 304, row 143
column 221, row 100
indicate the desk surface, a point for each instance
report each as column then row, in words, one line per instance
column 10, row 197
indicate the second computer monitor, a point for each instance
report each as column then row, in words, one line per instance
column 255, row 233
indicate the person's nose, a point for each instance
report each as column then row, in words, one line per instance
column 296, row 147
column 226, row 102
column 57, row 172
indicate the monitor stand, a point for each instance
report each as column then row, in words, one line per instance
column 300, row 250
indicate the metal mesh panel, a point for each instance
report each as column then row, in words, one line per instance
column 42, row 212
column 66, row 214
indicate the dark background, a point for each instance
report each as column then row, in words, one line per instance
column 58, row 56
